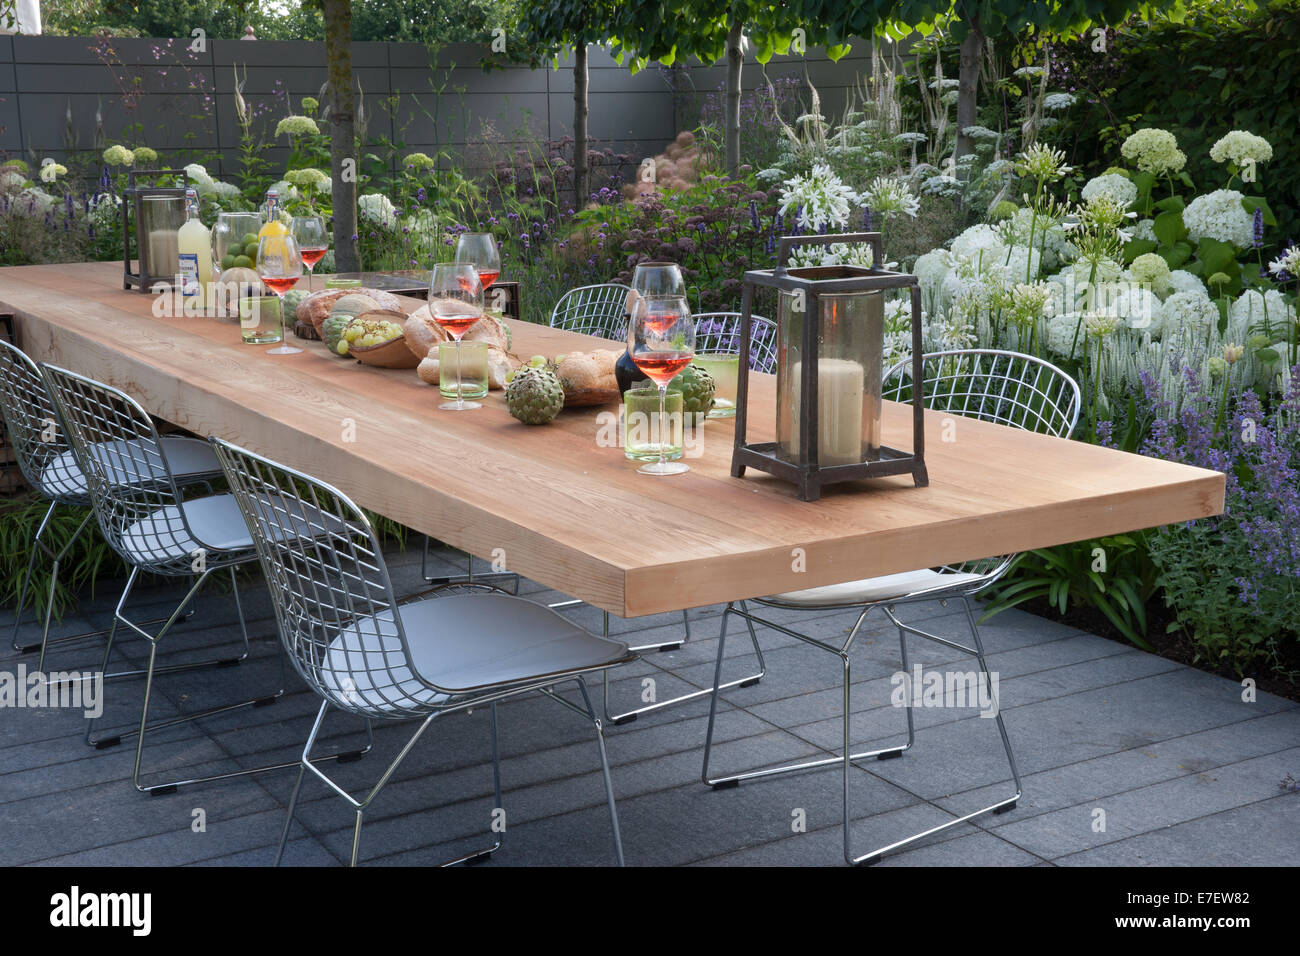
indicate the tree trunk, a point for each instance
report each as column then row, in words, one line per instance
column 581, row 183
column 735, row 60
column 343, row 159
column 972, row 51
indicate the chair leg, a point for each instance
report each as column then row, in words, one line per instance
column 732, row 780
column 628, row 716
column 467, row 577
column 604, row 769
column 1001, row 806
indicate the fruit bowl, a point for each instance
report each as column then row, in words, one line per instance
column 392, row 352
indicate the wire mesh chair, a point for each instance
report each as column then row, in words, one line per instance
column 50, row 468
column 144, row 518
column 365, row 653
column 599, row 310
column 1008, row 388
column 720, row 332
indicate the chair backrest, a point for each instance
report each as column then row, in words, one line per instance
column 594, row 310
column 329, row 584
column 132, row 490
column 1010, row 388
column 720, row 332
column 32, row 422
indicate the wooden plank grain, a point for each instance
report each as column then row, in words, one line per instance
column 569, row 511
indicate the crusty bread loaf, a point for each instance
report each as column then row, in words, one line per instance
column 423, row 333
column 315, row 308
column 500, row 364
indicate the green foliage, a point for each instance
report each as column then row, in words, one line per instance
column 89, row 558
column 1240, row 61
column 1112, row 575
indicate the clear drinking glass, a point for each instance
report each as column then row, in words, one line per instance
column 279, row 263
column 480, row 248
column 456, row 303
column 313, row 241
column 661, row 341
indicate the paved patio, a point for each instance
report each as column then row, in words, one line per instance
column 1184, row 770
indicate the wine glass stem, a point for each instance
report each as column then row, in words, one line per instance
column 663, row 422
column 460, row 382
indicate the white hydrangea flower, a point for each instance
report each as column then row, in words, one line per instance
column 297, row 126
column 1219, row 215
column 979, row 245
column 1113, row 186
column 1154, row 151
column 377, row 208
column 1180, row 280
column 1137, row 307
column 1145, row 229
column 1151, row 270
column 1188, row 311
column 1252, row 309
column 1240, row 147
column 1064, row 333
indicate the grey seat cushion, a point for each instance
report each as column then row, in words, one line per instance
column 162, row 537
column 462, row 643
column 884, row 588
column 190, row 460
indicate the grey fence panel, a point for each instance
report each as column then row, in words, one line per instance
column 444, row 99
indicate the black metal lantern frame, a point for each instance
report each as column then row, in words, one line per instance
column 133, row 199
column 806, row 472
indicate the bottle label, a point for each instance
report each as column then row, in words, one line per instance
column 190, row 274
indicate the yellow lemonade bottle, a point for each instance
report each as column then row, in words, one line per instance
column 273, row 226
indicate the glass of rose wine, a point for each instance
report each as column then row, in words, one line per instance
column 313, row 241
column 661, row 341
column 480, row 248
column 456, row 303
column 279, row 263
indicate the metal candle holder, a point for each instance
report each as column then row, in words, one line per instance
column 134, row 199
column 807, row 287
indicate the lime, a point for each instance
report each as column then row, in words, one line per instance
column 228, row 262
column 250, row 250
column 243, row 262
column 250, row 239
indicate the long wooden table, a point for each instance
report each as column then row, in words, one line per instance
column 568, row 511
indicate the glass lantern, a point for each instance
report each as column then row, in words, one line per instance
column 830, row 367
column 159, row 214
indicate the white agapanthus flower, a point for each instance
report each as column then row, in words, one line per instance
column 377, row 208
column 1219, row 215
column 1058, row 101
column 888, row 196
column 1288, row 263
column 1121, row 191
column 821, row 198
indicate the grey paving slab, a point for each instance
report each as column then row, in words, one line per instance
column 1186, row 771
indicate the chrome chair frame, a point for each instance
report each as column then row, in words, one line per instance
column 143, row 518
column 341, row 624
column 599, row 310
column 721, row 333
column 1018, row 390
column 47, row 464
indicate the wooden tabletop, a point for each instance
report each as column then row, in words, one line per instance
column 566, row 511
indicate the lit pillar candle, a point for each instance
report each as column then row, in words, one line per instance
column 839, row 411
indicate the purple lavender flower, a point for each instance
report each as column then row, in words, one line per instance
column 1258, row 228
